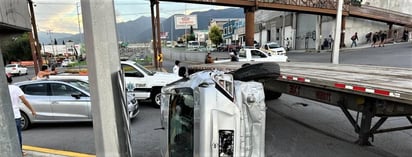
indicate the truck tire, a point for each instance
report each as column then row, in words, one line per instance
column 270, row 95
column 257, row 71
column 155, row 96
column 25, row 121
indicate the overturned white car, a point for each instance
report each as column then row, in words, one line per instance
column 212, row 113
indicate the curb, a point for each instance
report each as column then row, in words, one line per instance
column 40, row 152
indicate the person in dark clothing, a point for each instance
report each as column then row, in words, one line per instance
column 382, row 37
column 354, row 38
column 368, row 37
column 375, row 37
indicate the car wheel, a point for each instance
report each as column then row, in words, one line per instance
column 156, row 97
column 19, row 73
column 25, row 121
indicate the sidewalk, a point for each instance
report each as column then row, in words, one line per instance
column 347, row 48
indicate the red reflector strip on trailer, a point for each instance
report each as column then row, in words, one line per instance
column 349, row 87
column 293, row 78
column 382, row 92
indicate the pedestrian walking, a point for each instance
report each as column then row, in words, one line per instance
column 375, row 37
column 176, row 67
column 330, row 41
column 17, row 96
column 382, row 37
column 354, row 38
column 368, row 37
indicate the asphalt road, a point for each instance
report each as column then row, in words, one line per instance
column 295, row 127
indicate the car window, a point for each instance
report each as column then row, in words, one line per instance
column 35, row 89
column 58, row 89
column 79, row 84
column 242, row 53
column 274, row 45
column 10, row 65
column 130, row 71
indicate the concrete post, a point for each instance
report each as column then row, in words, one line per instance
column 318, row 33
column 109, row 124
column 9, row 140
column 250, row 25
column 335, row 54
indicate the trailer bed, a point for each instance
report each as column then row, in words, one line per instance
column 390, row 83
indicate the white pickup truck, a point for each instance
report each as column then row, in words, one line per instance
column 141, row 82
column 250, row 54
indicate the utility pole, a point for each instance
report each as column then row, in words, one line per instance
column 335, row 53
column 36, row 44
column 78, row 22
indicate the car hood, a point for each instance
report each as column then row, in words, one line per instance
column 164, row 77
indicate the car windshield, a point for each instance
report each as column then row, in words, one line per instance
column 79, row 84
column 273, row 45
column 11, row 65
column 145, row 70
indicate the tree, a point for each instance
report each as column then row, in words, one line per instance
column 191, row 36
column 63, row 43
column 55, row 41
column 16, row 49
column 215, row 35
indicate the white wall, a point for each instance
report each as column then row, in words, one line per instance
column 305, row 23
column 403, row 6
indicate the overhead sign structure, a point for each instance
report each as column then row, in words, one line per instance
column 185, row 21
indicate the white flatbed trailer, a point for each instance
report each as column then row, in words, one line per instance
column 375, row 91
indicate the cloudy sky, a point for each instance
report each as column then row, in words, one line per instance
column 60, row 16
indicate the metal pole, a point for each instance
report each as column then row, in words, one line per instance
column 110, row 127
column 9, row 140
column 153, row 33
column 335, row 53
column 159, row 46
column 78, row 21
column 38, row 60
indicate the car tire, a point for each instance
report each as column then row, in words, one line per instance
column 25, row 121
column 155, row 97
column 257, row 71
column 19, row 73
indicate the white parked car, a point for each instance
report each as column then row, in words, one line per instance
column 273, row 48
column 66, row 62
column 16, row 69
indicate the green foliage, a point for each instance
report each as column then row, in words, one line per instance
column 146, row 61
column 16, row 49
column 215, row 35
column 356, row 2
column 191, row 36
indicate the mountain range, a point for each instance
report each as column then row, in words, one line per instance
column 140, row 29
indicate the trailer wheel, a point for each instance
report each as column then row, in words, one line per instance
column 270, row 95
column 257, row 71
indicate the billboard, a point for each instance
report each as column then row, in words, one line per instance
column 164, row 35
column 185, row 21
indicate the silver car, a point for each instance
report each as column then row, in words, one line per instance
column 64, row 100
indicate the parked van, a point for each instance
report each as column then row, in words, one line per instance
column 193, row 45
